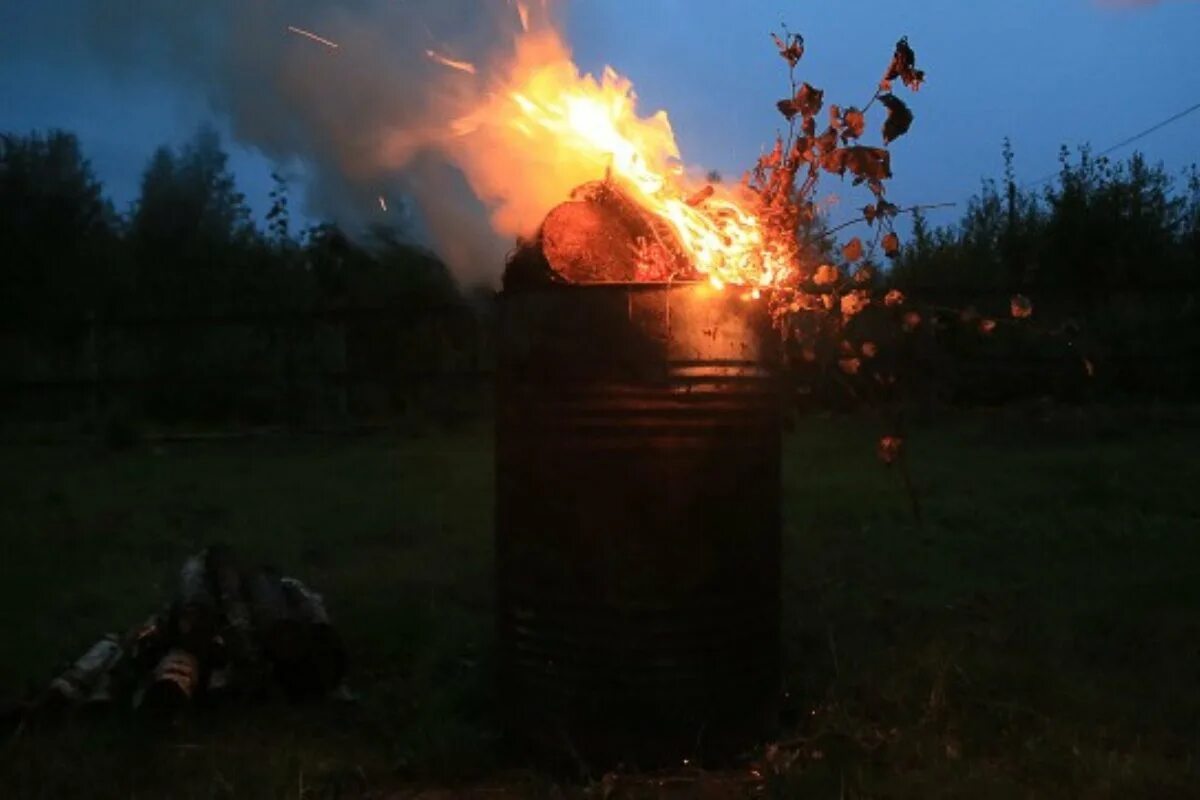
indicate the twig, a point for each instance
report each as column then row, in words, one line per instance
column 871, row 102
column 909, row 210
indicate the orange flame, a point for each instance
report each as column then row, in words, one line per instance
column 547, row 128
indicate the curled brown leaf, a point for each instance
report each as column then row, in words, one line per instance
column 854, row 124
column 791, row 47
column 865, row 163
column 826, row 275
column 899, row 118
column 904, row 67
column 891, row 245
column 854, row 302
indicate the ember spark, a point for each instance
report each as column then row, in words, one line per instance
column 461, row 66
column 313, row 36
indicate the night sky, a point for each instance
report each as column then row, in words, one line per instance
column 1043, row 72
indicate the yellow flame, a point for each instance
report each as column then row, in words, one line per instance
column 595, row 123
column 538, row 128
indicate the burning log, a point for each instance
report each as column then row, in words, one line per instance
column 585, row 244
column 601, row 235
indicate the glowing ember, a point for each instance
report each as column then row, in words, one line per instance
column 313, row 36
column 445, row 61
column 523, row 13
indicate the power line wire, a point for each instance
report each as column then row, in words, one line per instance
column 1124, row 142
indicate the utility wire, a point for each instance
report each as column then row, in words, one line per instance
column 1124, row 142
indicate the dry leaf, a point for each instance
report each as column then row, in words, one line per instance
column 791, row 48
column 807, row 103
column 854, row 123
column 853, row 250
column 854, row 302
column 826, row 275
column 911, row 321
column 899, row 118
column 850, row 366
column 864, row 275
column 893, row 298
column 904, row 67
column 891, row 245
column 865, row 163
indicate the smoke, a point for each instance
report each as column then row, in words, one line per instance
column 359, row 92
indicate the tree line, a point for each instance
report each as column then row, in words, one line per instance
column 1109, row 253
column 182, row 309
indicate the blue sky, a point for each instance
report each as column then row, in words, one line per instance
column 1043, row 72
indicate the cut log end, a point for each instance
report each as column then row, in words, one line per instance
column 600, row 235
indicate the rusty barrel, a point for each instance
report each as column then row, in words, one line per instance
column 637, row 522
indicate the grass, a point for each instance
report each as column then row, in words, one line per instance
column 1039, row 635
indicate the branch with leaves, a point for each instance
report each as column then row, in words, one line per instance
column 841, row 323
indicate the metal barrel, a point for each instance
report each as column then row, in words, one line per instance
column 637, row 522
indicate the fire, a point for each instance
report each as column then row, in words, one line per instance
column 596, row 122
column 562, row 128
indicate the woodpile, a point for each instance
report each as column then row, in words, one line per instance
column 228, row 632
column 600, row 235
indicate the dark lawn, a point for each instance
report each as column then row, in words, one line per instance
column 1039, row 636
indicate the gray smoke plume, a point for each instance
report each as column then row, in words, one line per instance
column 336, row 87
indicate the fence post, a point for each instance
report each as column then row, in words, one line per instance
column 92, row 359
column 344, row 368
